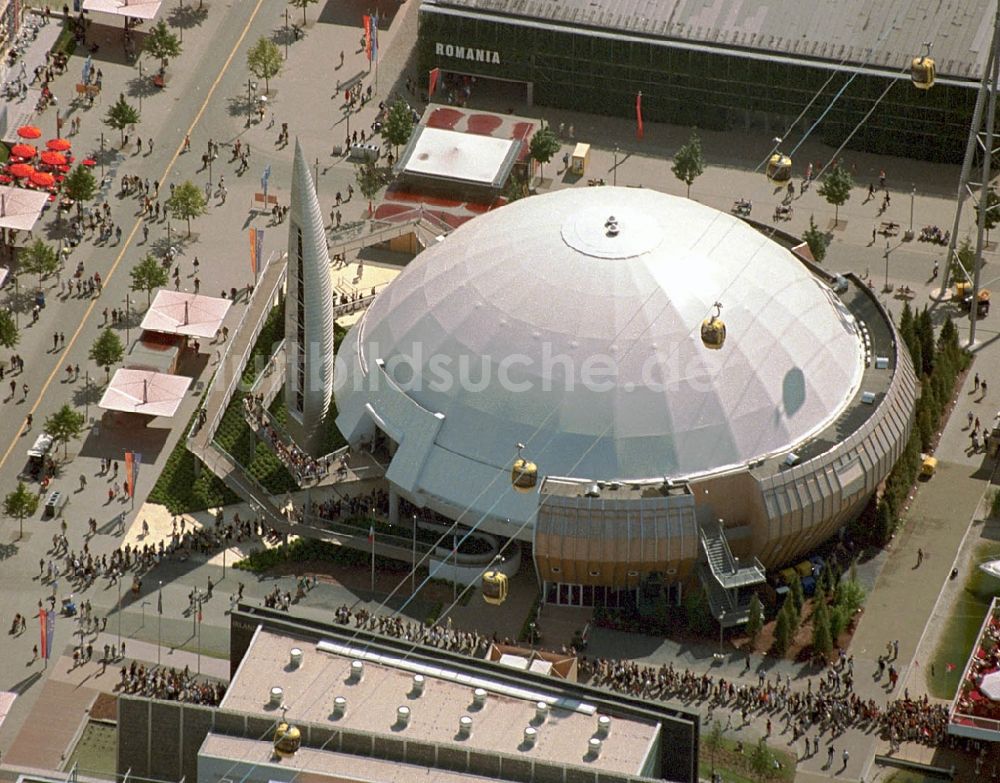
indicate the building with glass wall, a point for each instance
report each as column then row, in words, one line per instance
column 747, row 66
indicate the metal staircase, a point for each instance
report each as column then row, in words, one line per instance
column 725, row 579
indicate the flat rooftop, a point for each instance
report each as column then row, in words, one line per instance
column 881, row 35
column 341, row 766
column 464, row 157
column 387, row 683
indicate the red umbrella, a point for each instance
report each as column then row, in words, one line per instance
column 89, row 162
column 59, row 145
column 20, row 170
column 23, row 151
column 51, row 158
column 29, row 132
column 42, row 178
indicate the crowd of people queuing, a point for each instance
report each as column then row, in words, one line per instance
column 305, row 468
column 170, row 684
column 832, row 705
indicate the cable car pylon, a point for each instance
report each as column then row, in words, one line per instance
column 981, row 142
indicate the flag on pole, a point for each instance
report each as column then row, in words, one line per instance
column 368, row 36
column 374, row 55
column 159, row 602
column 47, row 627
column 433, row 81
column 371, row 533
column 265, row 178
column 132, row 461
column 638, row 115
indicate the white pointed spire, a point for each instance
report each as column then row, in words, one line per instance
column 308, row 311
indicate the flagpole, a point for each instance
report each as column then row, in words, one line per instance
column 373, row 549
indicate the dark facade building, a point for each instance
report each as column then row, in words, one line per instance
column 747, row 66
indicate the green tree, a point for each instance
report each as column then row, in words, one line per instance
column 762, row 761
column 992, row 216
column 821, row 638
column 107, row 350
column 301, row 4
column 39, row 259
column 714, row 742
column 398, row 125
column 797, row 595
column 689, row 162
column 162, row 44
column 186, row 202
column 264, row 60
column 63, row 426
column 839, row 620
column 20, row 504
column 9, row 333
column 924, row 328
column 369, row 179
column 121, row 114
column 80, row 185
column 755, row 622
column 148, row 275
column 835, row 187
column 816, row 240
column 543, row 146
column 783, row 633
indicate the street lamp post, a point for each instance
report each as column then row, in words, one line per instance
column 722, row 617
column 287, row 33
column 886, row 256
column 128, row 317
column 913, row 196
column 102, row 155
column 251, row 87
column 86, row 395
column 614, row 170
column 159, row 624
column 140, row 85
column 413, row 571
column 119, row 580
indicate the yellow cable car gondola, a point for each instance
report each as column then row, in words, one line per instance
column 713, row 329
column 779, row 167
column 523, row 473
column 922, row 70
column 287, row 740
column 494, row 587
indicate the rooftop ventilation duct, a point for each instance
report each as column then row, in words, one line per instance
column 357, row 670
column 530, row 735
column 295, row 658
column 277, row 696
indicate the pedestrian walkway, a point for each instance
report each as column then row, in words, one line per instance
column 21, row 111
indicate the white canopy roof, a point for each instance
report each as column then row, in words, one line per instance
column 575, row 319
column 990, row 686
column 191, row 315
column 469, row 157
column 136, row 9
column 146, row 392
column 20, row 208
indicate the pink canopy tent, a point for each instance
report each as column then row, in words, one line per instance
column 146, row 392
column 134, row 9
column 190, row 315
column 21, row 208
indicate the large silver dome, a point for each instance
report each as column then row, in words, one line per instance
column 587, row 305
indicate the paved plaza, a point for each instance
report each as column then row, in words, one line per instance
column 205, row 98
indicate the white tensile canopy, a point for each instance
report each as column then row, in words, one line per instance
column 135, row 9
column 990, row 686
column 992, row 568
column 20, row 208
column 190, row 315
column 146, row 392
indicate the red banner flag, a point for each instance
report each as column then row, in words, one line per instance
column 638, row 115
column 130, row 473
column 47, row 623
column 433, row 81
column 368, row 36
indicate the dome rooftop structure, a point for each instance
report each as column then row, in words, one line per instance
column 572, row 323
